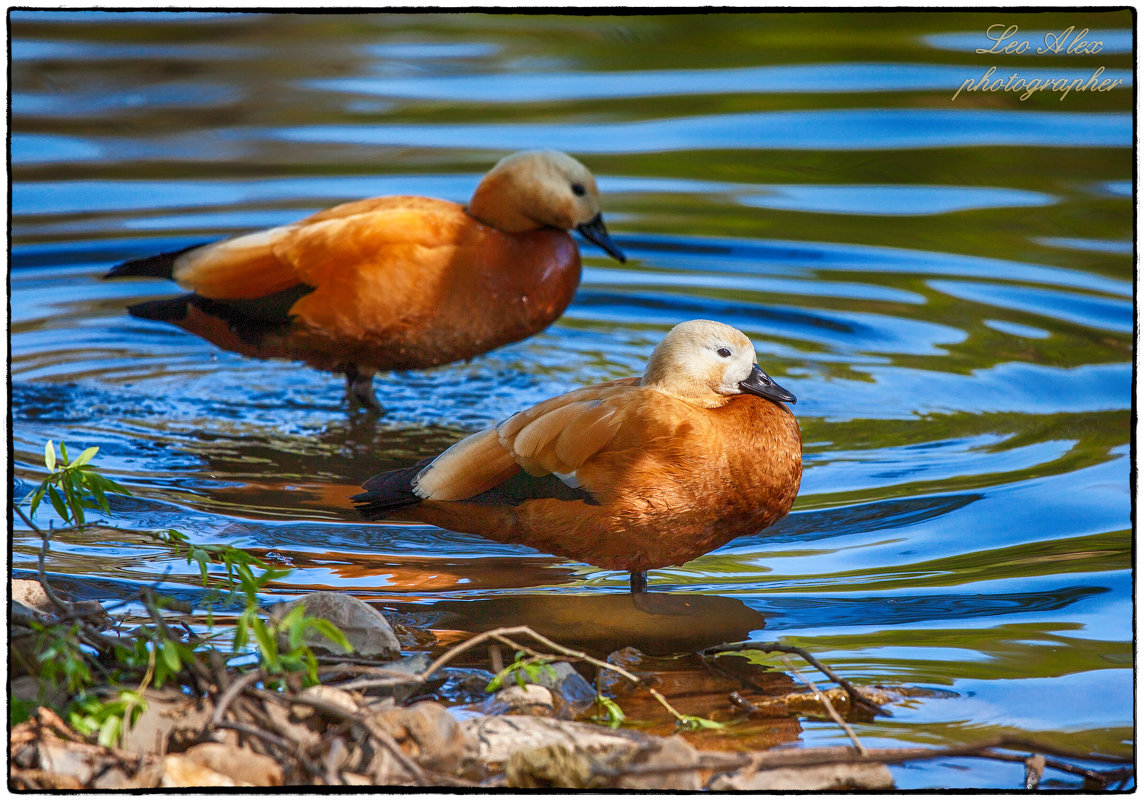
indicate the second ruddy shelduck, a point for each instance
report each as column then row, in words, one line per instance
column 393, row 283
column 633, row 474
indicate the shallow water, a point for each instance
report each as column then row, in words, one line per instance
column 945, row 285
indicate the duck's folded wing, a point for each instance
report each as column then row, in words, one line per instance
column 553, row 438
column 378, row 243
column 241, row 268
column 332, row 246
column 472, row 466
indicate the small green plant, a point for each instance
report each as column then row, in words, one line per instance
column 298, row 656
column 614, row 714
column 109, row 720
column 524, row 670
column 695, row 723
column 73, row 486
column 153, row 653
column 60, row 658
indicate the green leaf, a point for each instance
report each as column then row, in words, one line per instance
column 50, row 455
column 241, row 633
column 331, row 632
column 170, row 655
column 58, row 503
column 105, row 483
column 19, row 711
column 64, row 452
column 109, row 731
column 265, row 640
column 38, row 496
column 85, row 457
column 73, row 499
column 100, row 500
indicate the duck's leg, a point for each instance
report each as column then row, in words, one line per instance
column 639, row 581
column 359, row 389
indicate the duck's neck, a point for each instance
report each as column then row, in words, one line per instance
column 489, row 205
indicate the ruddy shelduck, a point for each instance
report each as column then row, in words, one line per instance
column 393, row 283
column 633, row 474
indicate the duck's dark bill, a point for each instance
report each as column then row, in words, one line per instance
column 595, row 232
column 761, row 384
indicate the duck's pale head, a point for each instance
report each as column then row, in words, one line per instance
column 542, row 189
column 706, row 363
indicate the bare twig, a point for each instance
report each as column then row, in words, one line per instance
column 814, row 757
column 230, row 694
column 44, row 538
column 288, row 746
column 821, row 696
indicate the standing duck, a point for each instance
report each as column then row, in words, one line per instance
column 393, row 283
column 632, row 474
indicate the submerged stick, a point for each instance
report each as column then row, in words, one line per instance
column 821, row 696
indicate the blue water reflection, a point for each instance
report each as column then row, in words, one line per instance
column 839, row 130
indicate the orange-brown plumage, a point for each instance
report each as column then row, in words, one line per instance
column 633, row 474
column 395, row 282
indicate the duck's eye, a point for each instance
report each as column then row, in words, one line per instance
column 578, row 190
column 724, row 352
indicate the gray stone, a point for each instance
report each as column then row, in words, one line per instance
column 366, row 629
column 531, row 699
column 572, row 694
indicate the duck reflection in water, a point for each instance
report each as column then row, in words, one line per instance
column 655, row 623
column 634, row 474
column 393, row 283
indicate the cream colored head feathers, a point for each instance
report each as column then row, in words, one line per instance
column 534, row 189
column 702, row 362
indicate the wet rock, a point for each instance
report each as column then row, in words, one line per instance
column 429, row 734
column 499, row 737
column 30, row 595
column 653, row 763
column 531, row 699
column 30, row 601
column 414, row 664
column 573, row 695
column 463, row 685
column 868, row 776
column 366, row 629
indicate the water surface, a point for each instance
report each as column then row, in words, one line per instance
column 945, row 285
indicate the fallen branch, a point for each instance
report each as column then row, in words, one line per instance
column 856, row 697
column 821, row 696
column 350, row 718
